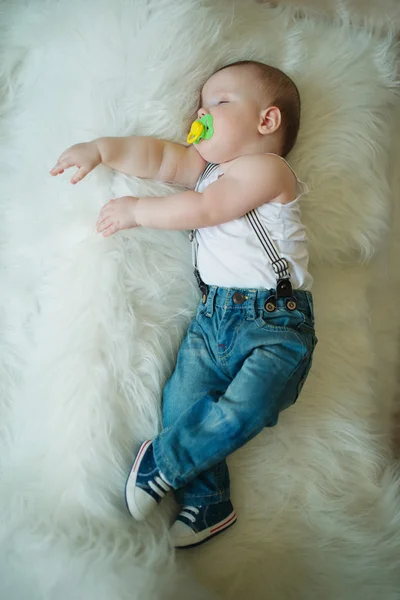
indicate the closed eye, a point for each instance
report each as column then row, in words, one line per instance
column 223, row 102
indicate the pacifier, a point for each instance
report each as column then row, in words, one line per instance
column 201, row 129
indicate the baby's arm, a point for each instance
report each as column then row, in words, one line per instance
column 144, row 157
column 249, row 182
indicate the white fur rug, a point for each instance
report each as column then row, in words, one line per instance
column 89, row 327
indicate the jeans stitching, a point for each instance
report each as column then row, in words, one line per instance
column 227, row 354
column 304, row 377
column 164, row 458
column 282, row 328
column 210, row 352
column 216, row 493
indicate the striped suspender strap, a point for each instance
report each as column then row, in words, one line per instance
column 210, row 168
column 279, row 264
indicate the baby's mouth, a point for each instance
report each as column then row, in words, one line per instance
column 201, row 129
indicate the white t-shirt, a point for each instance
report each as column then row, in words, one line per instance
column 231, row 255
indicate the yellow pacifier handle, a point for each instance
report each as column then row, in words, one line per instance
column 195, row 132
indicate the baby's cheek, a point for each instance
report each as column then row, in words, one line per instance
column 225, row 129
column 235, row 133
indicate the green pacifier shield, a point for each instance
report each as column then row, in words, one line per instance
column 208, row 130
column 201, row 129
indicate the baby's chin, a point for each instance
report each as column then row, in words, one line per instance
column 212, row 154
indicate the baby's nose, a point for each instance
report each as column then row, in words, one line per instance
column 201, row 112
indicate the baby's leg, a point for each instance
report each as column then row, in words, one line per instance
column 196, row 374
column 212, row 428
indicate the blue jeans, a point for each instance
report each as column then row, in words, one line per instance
column 238, row 367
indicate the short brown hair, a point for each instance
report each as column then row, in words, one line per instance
column 283, row 94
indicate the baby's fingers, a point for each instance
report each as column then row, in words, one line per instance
column 80, row 174
column 105, row 224
column 61, row 165
column 106, row 210
column 111, row 229
column 57, row 170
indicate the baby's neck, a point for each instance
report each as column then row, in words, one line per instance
column 265, row 146
column 235, row 158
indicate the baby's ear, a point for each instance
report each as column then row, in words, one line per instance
column 270, row 120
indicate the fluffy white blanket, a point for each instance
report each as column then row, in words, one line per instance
column 89, row 328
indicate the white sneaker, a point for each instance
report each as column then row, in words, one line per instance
column 145, row 486
column 197, row 524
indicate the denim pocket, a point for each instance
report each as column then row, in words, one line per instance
column 281, row 319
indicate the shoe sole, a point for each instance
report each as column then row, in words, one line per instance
column 131, row 480
column 213, row 531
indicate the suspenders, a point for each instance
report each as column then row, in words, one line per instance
column 210, row 168
column 278, row 263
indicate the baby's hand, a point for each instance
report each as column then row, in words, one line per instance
column 84, row 156
column 117, row 214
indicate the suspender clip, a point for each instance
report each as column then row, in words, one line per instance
column 284, row 288
column 202, row 286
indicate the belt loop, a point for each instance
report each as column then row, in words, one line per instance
column 251, row 305
column 210, row 300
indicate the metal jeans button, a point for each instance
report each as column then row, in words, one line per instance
column 291, row 304
column 270, row 306
column 238, row 298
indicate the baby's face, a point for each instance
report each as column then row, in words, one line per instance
column 233, row 99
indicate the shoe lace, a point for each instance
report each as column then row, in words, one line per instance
column 159, row 486
column 185, row 513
